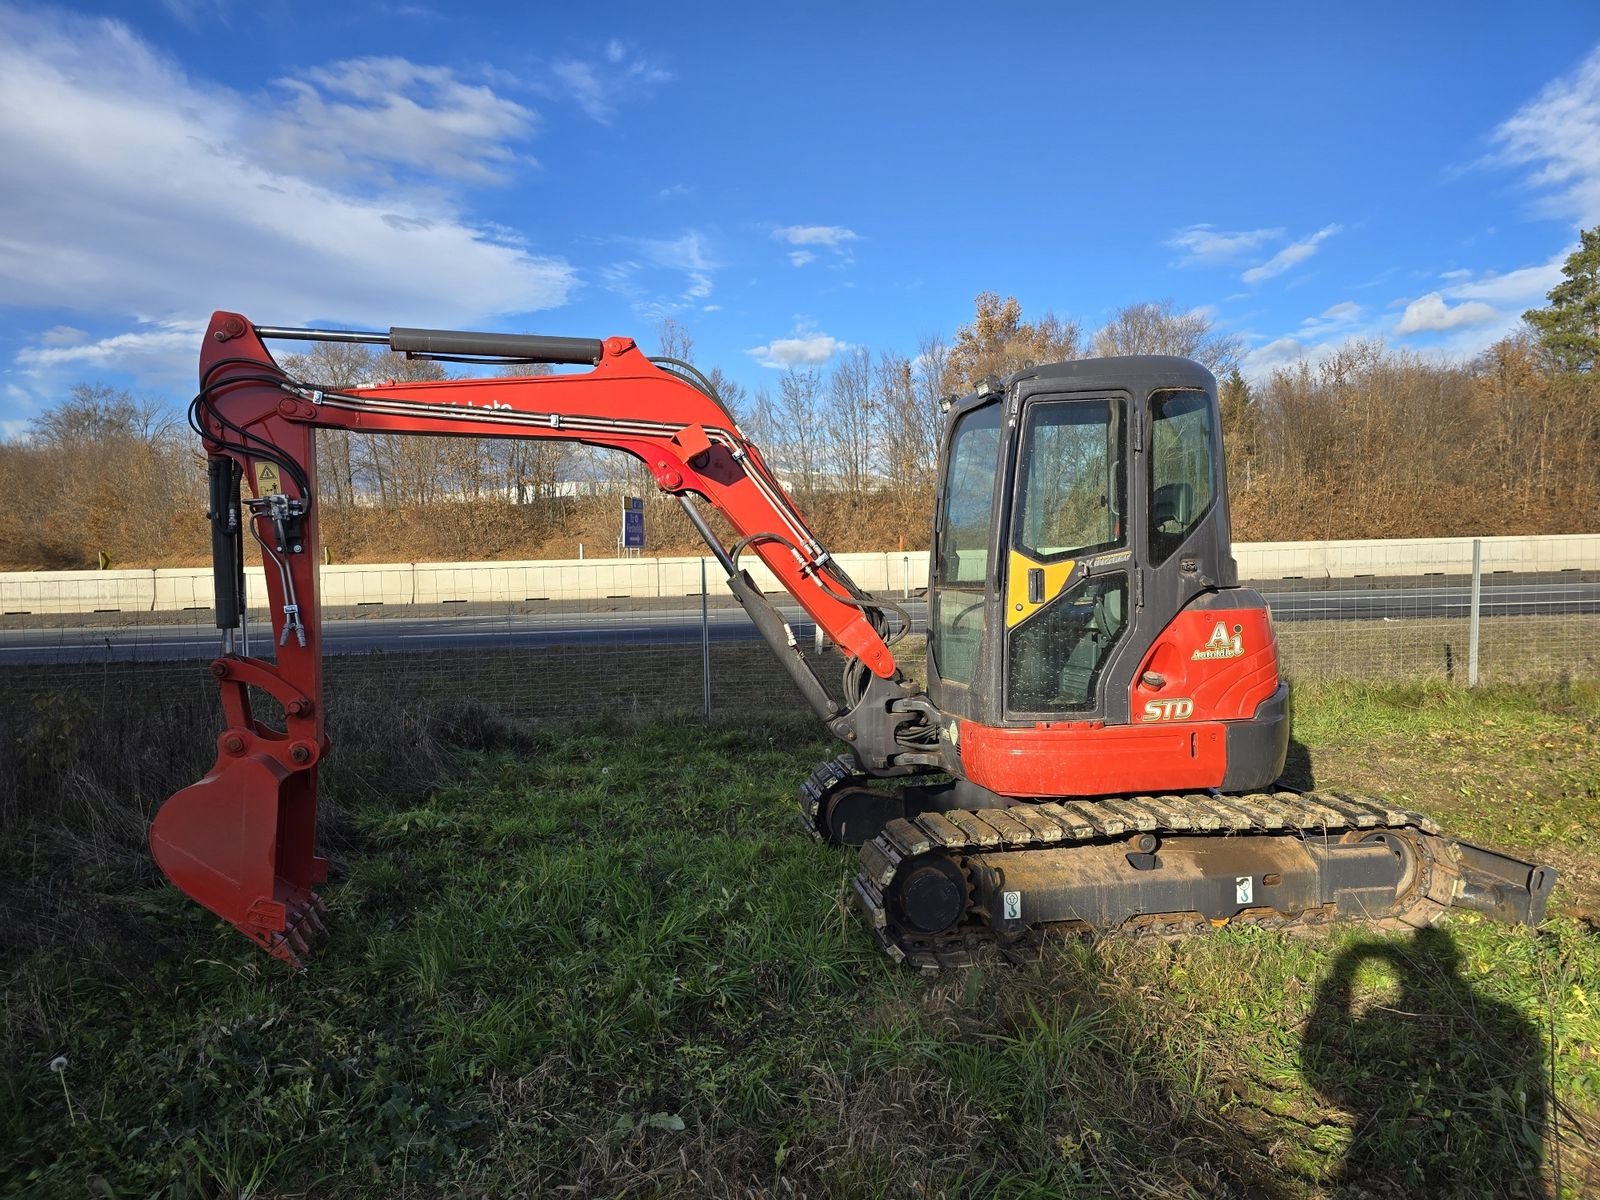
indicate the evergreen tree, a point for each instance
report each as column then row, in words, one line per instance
column 1238, row 417
column 1570, row 326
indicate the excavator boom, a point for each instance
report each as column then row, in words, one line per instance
column 240, row 841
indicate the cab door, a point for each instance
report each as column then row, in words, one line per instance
column 1068, row 563
column 961, row 589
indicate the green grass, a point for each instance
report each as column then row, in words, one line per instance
column 606, row 960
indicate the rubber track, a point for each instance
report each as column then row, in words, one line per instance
column 824, row 778
column 1031, row 826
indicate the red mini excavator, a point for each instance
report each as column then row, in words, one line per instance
column 1103, row 722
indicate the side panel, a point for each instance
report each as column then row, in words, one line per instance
column 1088, row 758
column 1217, row 670
column 1216, row 664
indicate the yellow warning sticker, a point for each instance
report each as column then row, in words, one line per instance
column 267, row 479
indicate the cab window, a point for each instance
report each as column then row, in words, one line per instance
column 1182, row 468
column 1070, row 493
column 961, row 557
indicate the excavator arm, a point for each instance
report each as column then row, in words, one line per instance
column 241, row 840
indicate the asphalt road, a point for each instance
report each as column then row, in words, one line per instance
column 679, row 625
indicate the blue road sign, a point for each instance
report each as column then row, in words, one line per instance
column 633, row 522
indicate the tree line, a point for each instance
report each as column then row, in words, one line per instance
column 1369, row 441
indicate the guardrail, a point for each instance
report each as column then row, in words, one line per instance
column 178, row 589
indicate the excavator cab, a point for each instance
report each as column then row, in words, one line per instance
column 1080, row 570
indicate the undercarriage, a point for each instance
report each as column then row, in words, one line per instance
column 939, row 887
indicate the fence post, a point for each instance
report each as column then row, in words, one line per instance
column 1477, row 603
column 905, row 576
column 705, row 640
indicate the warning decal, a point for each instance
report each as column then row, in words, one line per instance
column 267, row 479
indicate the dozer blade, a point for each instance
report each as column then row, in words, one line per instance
column 939, row 886
column 240, row 843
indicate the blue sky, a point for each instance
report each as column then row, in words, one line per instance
column 784, row 181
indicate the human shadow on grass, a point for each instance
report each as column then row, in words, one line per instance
column 1446, row 1084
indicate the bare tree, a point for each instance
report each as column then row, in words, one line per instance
column 908, row 434
column 336, row 366
column 851, row 426
column 798, row 440
column 999, row 342
column 531, row 468
column 760, row 423
column 101, row 471
column 1156, row 327
column 935, row 380
column 399, row 468
column 675, row 340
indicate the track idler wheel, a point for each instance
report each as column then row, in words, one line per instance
column 930, row 896
column 856, row 815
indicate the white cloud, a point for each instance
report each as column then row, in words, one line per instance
column 135, row 193
column 1430, row 314
column 1524, row 286
column 806, row 350
column 1558, row 134
column 62, row 335
column 152, row 354
column 1477, row 312
column 365, row 115
column 1291, row 255
column 1203, row 245
column 830, row 237
column 17, row 400
column 599, row 88
column 663, row 276
column 1335, row 318
column 1458, row 273
column 1264, row 360
column 687, row 252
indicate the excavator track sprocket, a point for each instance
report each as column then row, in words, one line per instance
column 940, row 887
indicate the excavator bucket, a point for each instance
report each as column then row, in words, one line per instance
column 240, row 841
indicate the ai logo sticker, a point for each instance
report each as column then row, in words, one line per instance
column 1013, row 905
column 1221, row 644
column 1242, row 889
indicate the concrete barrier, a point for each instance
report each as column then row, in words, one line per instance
column 1264, row 561
column 78, row 591
column 892, row 572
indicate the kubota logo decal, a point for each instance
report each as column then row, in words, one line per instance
column 1175, row 709
column 1221, row 644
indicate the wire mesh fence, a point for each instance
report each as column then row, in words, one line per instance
column 1530, row 610
column 648, row 637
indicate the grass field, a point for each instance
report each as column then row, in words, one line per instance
column 605, row 961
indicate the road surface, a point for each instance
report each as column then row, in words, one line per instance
column 680, row 624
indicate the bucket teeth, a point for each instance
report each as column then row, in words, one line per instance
column 305, row 929
column 312, row 915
